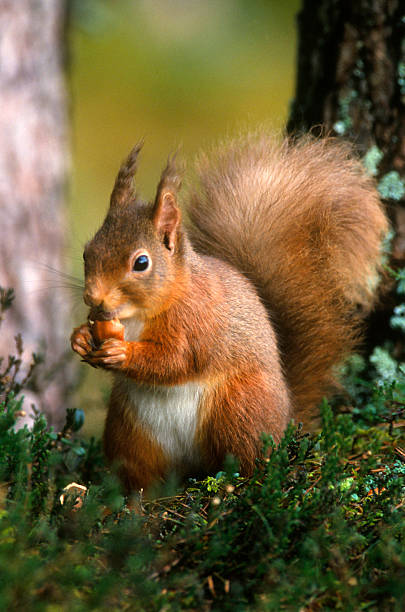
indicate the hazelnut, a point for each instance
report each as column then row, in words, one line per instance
column 102, row 330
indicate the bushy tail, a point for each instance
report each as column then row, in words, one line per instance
column 305, row 224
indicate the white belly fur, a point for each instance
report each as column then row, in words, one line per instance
column 133, row 329
column 170, row 415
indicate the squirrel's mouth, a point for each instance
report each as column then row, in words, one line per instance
column 99, row 314
column 125, row 311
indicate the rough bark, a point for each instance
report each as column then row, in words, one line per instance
column 351, row 83
column 351, row 74
column 33, row 159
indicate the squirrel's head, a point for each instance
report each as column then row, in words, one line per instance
column 134, row 262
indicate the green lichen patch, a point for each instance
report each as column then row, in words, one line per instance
column 391, row 186
column 371, row 160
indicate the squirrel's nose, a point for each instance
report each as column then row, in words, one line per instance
column 92, row 298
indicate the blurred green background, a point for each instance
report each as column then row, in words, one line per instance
column 180, row 73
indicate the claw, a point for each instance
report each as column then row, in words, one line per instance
column 89, row 363
column 110, row 360
column 79, row 349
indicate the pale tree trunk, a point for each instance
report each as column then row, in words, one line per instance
column 33, row 164
column 351, row 81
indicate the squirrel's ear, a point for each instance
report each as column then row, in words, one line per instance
column 166, row 214
column 124, row 189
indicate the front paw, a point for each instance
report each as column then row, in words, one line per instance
column 111, row 354
column 81, row 340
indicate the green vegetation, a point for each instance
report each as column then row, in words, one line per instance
column 320, row 525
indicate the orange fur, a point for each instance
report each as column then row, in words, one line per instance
column 251, row 397
column 304, row 223
column 242, row 318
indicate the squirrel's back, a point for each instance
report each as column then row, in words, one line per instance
column 304, row 223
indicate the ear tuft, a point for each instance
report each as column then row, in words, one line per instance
column 124, row 189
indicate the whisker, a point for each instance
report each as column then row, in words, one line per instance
column 59, row 272
column 77, row 290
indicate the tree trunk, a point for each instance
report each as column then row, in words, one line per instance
column 351, row 81
column 33, row 160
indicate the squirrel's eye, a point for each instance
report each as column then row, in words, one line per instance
column 141, row 263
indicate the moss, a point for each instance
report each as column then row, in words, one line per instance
column 319, row 525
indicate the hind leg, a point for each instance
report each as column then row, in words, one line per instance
column 236, row 415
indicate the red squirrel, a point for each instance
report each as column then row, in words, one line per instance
column 234, row 323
